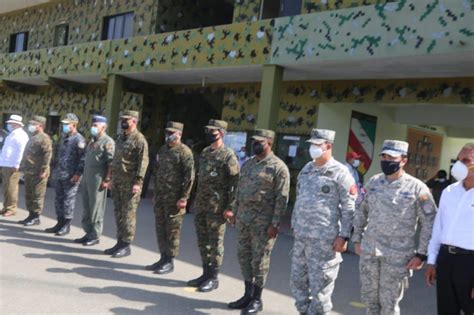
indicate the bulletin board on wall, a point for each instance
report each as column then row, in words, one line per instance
column 424, row 153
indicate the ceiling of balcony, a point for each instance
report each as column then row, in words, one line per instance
column 13, row 5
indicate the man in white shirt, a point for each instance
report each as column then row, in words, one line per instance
column 10, row 158
column 451, row 248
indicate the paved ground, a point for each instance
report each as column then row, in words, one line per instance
column 44, row 274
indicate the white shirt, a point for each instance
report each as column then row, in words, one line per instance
column 454, row 223
column 12, row 151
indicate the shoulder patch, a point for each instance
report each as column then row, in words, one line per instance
column 353, row 189
column 424, row 197
column 81, row 144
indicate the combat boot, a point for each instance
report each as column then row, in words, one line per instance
column 256, row 304
column 113, row 249
column 166, row 267
column 245, row 300
column 35, row 220
column 211, row 283
column 123, row 251
column 65, row 228
column 199, row 280
column 156, row 264
column 29, row 217
column 55, row 228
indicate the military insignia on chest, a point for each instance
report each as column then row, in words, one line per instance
column 325, row 189
column 213, row 173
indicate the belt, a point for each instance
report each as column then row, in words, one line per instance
column 453, row 250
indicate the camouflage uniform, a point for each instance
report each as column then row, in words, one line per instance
column 386, row 224
column 36, row 160
column 218, row 176
column 261, row 200
column 99, row 156
column 128, row 168
column 324, row 209
column 174, row 177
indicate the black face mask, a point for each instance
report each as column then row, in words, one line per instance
column 258, row 148
column 124, row 125
column 390, row 167
column 211, row 138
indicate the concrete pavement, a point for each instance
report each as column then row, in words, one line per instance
column 44, row 274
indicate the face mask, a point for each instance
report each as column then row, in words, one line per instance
column 211, row 138
column 124, row 125
column 94, row 131
column 32, row 128
column 258, row 148
column 441, row 180
column 355, row 163
column 460, row 171
column 171, row 137
column 242, row 154
column 9, row 128
column 66, row 128
column 390, row 167
column 315, row 151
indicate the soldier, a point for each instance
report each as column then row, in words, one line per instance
column 128, row 172
column 385, row 230
column 174, row 177
column 96, row 179
column 322, row 224
column 69, row 171
column 261, row 200
column 218, row 176
column 35, row 166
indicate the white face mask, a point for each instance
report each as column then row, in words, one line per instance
column 460, row 171
column 32, row 128
column 355, row 163
column 315, row 151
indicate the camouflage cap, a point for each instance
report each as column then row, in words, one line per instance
column 216, row 124
column 38, row 120
column 263, row 134
column 394, row 148
column 319, row 136
column 174, row 126
column 130, row 114
column 70, row 118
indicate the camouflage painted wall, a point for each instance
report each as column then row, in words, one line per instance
column 402, row 28
column 85, row 19
column 311, row 6
column 247, row 10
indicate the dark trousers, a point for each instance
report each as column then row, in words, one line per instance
column 455, row 282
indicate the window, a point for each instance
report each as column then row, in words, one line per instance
column 18, row 42
column 61, row 35
column 118, row 26
column 278, row 8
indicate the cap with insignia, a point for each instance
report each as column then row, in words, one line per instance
column 217, row 124
column 70, row 118
column 38, row 120
column 394, row 148
column 319, row 136
column 127, row 114
column 99, row 119
column 263, row 134
column 174, row 126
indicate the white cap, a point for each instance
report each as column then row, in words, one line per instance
column 15, row 119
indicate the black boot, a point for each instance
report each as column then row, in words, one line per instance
column 65, row 228
column 245, row 300
column 157, row 264
column 166, row 267
column 29, row 217
column 32, row 220
column 123, row 251
column 81, row 240
column 113, row 249
column 211, row 283
column 256, row 304
column 199, row 280
column 55, row 228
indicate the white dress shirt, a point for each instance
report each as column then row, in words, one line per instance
column 454, row 223
column 13, row 147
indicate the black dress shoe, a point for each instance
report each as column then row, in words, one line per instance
column 81, row 240
column 155, row 265
column 209, row 285
column 64, row 230
column 166, row 267
column 113, row 249
column 91, row 242
column 32, row 221
column 22, row 222
column 122, row 252
column 55, row 228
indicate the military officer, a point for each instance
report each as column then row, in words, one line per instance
column 385, row 231
column 69, row 171
column 128, row 171
column 322, row 223
column 35, row 166
column 96, row 179
column 261, row 201
column 174, row 177
column 218, row 176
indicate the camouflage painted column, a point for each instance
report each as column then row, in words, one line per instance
column 246, row 10
column 114, row 97
column 270, row 97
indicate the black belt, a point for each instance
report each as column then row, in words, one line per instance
column 453, row 250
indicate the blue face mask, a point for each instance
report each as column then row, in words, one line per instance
column 9, row 128
column 66, row 128
column 94, row 131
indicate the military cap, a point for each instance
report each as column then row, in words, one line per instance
column 38, row 120
column 217, row 124
column 394, row 148
column 174, row 126
column 263, row 134
column 130, row 114
column 319, row 136
column 99, row 119
column 70, row 118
